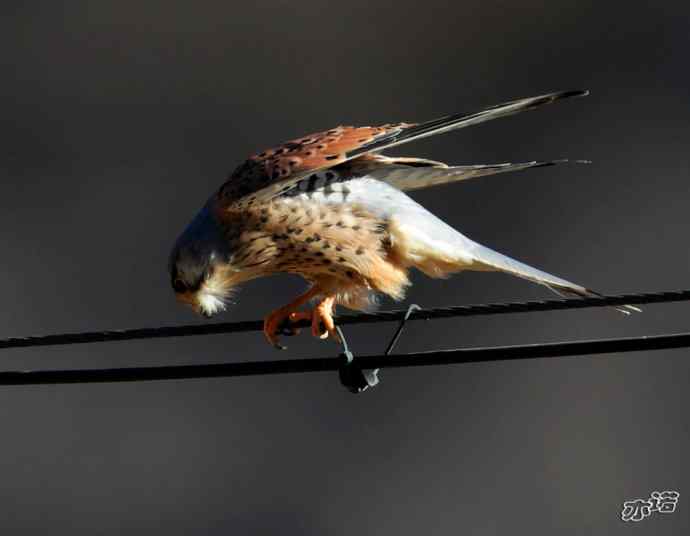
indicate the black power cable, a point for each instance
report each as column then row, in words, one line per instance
column 437, row 357
column 363, row 318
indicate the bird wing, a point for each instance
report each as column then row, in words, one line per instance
column 415, row 173
column 275, row 171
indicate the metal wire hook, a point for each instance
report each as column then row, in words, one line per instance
column 411, row 309
column 351, row 375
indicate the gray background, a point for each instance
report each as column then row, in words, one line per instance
column 120, row 118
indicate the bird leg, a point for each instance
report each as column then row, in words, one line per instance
column 322, row 313
column 288, row 312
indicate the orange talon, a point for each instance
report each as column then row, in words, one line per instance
column 288, row 312
column 271, row 324
column 323, row 313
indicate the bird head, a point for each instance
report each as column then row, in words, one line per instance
column 200, row 266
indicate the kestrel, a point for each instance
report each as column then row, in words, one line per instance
column 333, row 209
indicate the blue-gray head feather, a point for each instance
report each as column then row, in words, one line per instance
column 198, row 261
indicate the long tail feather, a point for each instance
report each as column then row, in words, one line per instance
column 493, row 260
column 414, row 174
column 456, row 121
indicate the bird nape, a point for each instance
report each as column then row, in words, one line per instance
column 331, row 208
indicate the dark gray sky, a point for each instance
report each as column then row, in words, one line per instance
column 120, row 118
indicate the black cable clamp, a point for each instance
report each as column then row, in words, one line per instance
column 351, row 374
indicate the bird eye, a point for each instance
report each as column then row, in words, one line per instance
column 179, row 285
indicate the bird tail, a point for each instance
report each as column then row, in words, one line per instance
column 423, row 241
column 408, row 133
column 417, row 173
column 491, row 260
